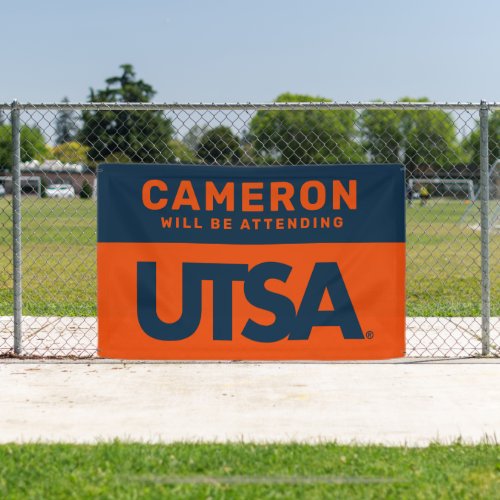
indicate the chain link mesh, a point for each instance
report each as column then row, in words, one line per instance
column 61, row 146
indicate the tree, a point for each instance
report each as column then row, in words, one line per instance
column 87, row 191
column 219, row 146
column 182, row 153
column 193, row 136
column 413, row 137
column 142, row 136
column 431, row 139
column 117, row 157
column 382, row 135
column 471, row 144
column 302, row 137
column 33, row 145
column 71, row 152
column 66, row 127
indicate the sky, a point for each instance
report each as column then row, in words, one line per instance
column 253, row 50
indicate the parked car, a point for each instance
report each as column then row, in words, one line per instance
column 2, row 190
column 60, row 191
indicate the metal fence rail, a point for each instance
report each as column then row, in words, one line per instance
column 47, row 243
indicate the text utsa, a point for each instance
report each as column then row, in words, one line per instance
column 288, row 323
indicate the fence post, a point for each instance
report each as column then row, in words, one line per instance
column 16, row 224
column 485, row 229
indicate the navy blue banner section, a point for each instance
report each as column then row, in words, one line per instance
column 141, row 203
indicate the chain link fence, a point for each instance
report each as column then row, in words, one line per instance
column 48, row 160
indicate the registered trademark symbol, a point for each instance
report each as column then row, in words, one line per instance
column 369, row 334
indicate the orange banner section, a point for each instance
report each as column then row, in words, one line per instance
column 363, row 267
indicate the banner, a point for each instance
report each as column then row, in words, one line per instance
column 251, row 263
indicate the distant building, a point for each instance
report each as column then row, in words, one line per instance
column 53, row 166
column 57, row 172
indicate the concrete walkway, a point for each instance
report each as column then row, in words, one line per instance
column 413, row 402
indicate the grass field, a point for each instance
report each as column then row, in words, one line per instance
column 59, row 275
column 118, row 470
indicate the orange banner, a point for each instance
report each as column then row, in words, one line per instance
column 299, row 299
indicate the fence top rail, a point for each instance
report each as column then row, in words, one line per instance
column 293, row 106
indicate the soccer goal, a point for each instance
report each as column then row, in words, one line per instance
column 440, row 188
column 472, row 211
column 30, row 184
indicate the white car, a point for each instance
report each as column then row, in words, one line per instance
column 2, row 190
column 60, row 191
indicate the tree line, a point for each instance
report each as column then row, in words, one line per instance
column 414, row 138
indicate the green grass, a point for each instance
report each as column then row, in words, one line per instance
column 117, row 470
column 59, row 257
column 59, row 275
column 444, row 261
